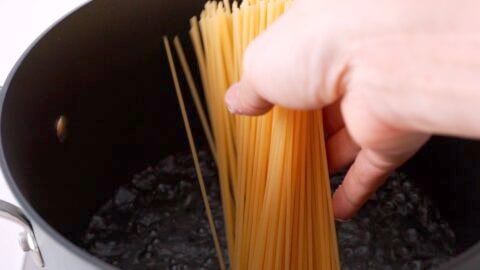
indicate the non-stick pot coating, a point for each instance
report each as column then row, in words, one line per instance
column 104, row 70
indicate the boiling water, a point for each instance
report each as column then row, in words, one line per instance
column 157, row 221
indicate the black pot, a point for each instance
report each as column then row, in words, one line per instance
column 103, row 71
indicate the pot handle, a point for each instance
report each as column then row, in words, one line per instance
column 26, row 239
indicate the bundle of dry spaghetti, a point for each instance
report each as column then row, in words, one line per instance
column 272, row 169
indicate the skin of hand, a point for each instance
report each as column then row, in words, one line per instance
column 387, row 74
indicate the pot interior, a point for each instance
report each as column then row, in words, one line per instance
column 104, row 70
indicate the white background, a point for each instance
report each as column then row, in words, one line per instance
column 21, row 22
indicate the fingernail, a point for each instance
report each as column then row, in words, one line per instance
column 342, row 220
column 231, row 99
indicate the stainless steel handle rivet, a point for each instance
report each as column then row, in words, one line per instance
column 26, row 239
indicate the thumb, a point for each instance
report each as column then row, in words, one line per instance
column 241, row 98
column 289, row 65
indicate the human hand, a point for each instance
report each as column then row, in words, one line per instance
column 384, row 72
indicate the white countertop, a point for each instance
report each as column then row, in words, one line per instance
column 21, row 22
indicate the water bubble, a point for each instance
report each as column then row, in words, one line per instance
column 209, row 262
column 188, row 200
column 201, row 231
column 366, row 222
column 167, row 165
column 148, row 218
column 415, row 265
column 403, row 252
column 379, row 255
column 407, row 185
column 97, row 223
column 450, row 234
column 402, row 210
column 394, row 184
column 367, row 236
column 399, row 198
column 409, row 207
column 362, row 251
column 411, row 235
column 389, row 207
column 349, row 226
column 124, row 196
column 155, row 241
column 144, row 184
column 414, row 198
column 432, row 227
column 108, row 249
column 347, row 253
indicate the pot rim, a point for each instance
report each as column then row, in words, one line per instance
column 468, row 260
column 30, row 212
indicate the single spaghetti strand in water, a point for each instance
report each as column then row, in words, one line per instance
column 195, row 96
column 194, row 155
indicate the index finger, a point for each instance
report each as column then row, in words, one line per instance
column 363, row 178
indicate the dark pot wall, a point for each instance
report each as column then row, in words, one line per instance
column 104, row 69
